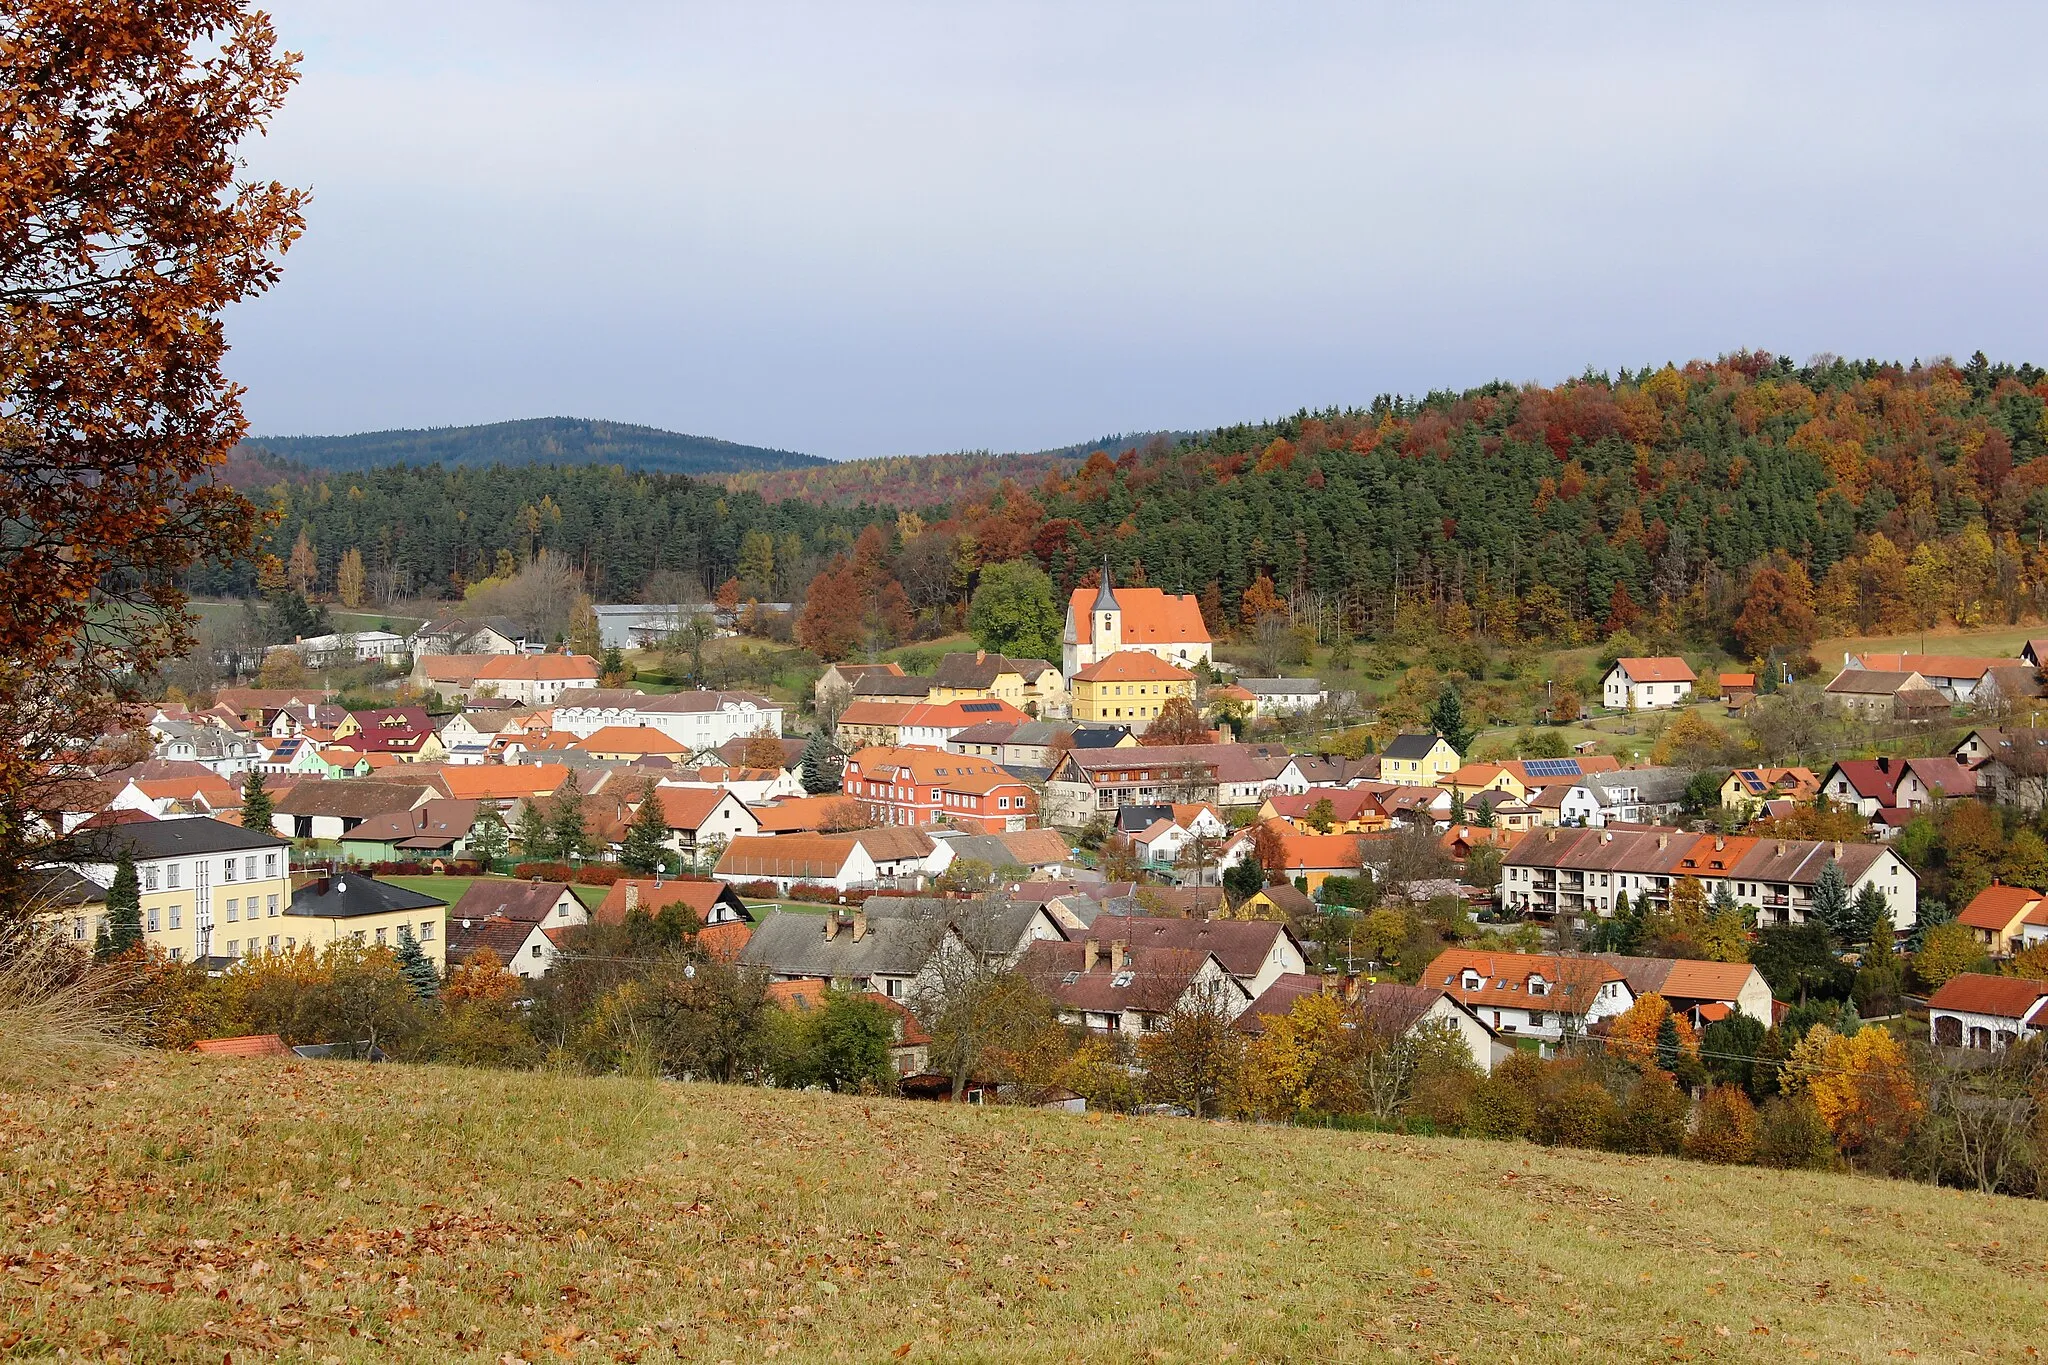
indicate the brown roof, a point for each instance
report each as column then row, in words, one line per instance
column 1277, row 1000
column 655, row 896
column 1153, row 980
column 1871, row 682
column 1686, row 980
column 2004, row 997
column 818, row 856
column 1966, row 666
column 689, row 807
column 527, row 902
column 350, row 798
column 501, row 935
column 441, row 819
column 1241, row 945
column 892, row 843
column 249, row 1045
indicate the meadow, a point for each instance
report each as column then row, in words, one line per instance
column 198, row 1209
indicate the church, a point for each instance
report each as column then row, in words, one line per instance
column 1105, row 619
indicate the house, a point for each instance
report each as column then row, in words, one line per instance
column 1578, row 873
column 259, row 706
column 890, row 955
column 1645, row 684
column 72, row 907
column 839, row 679
column 328, row 810
column 503, row 782
column 1988, row 1013
column 201, row 880
column 1104, row 619
column 226, row 752
column 468, row 635
column 1284, row 696
column 437, row 828
column 1088, row 782
column 1418, row 761
column 1633, row 796
column 204, row 794
column 1737, row 689
column 931, row 724
column 902, row 689
column 1955, row 676
column 733, row 753
column 702, row 821
column 1531, row 995
column 1868, row 784
column 1459, row 840
column 1279, row 901
column 1328, row 770
column 1256, row 952
column 453, row 676
column 755, row 786
column 1129, row 687
column 1171, row 830
column 2011, row 765
column 519, row 921
column 524, row 948
column 1347, row 810
column 844, row 862
column 352, row 905
column 328, row 651
column 1312, row 859
column 406, row 732
column 996, row 928
column 916, row 786
column 1880, row 695
column 829, row 813
column 1747, row 789
column 867, row 722
column 1387, row 1008
column 535, row 679
column 725, row 922
column 1535, row 773
column 698, row 719
column 1020, row 857
column 1033, row 686
column 1473, row 779
column 1928, row 782
column 1109, row 987
column 1705, row 992
column 1998, row 916
column 2007, row 690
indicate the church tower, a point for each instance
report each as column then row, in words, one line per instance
column 1107, row 630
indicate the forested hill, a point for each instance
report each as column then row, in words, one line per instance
column 923, row 481
column 539, row 440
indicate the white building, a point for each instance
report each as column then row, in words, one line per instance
column 1646, row 684
column 1986, row 1012
column 698, row 719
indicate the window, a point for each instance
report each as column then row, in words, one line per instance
column 171, row 877
column 149, row 875
column 271, row 908
column 273, row 943
column 536, row 950
column 426, row 930
column 1122, row 979
column 227, row 869
column 176, row 914
column 234, row 909
column 380, row 938
column 562, row 912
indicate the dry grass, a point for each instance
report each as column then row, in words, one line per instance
column 54, row 1022
column 195, row 1209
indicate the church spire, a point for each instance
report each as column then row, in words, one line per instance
column 1105, row 597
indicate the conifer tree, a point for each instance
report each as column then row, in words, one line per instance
column 1871, row 915
column 566, row 826
column 647, row 836
column 1831, row 902
column 257, row 807
column 123, row 929
column 1447, row 717
column 489, row 840
column 1667, row 1043
column 536, row 840
column 1627, row 926
column 820, row 772
column 415, row 966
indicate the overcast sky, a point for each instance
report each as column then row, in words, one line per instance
column 866, row 229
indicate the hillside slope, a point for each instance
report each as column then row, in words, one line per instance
column 927, row 481
column 191, row 1209
column 538, row 440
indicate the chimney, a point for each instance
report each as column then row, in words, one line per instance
column 632, row 897
column 1091, row 953
column 980, row 656
column 860, row 925
column 1663, row 841
column 1884, row 765
column 1781, row 848
column 1838, row 850
column 1719, row 843
column 831, row 924
column 1116, row 956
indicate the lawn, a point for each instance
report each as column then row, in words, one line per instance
column 450, row 889
column 198, row 1209
column 1992, row 642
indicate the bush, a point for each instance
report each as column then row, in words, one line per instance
column 546, row 872
column 758, row 888
column 1726, row 1129
column 1652, row 1122
column 814, row 893
column 1791, row 1135
column 598, row 874
column 1577, row 1113
column 1504, row 1104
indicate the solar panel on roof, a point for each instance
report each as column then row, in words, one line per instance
column 1552, row 767
column 981, row 706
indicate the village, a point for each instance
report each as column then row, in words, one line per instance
column 1091, row 827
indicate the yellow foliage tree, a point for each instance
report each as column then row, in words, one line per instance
column 349, row 578
column 1297, row 1065
column 1861, row 1085
column 1632, row 1035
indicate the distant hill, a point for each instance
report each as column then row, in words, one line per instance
column 537, row 440
column 933, row 480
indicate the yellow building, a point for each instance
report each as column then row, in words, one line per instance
column 1418, row 761
column 347, row 905
column 1474, row 778
column 1129, row 688
column 1033, row 686
column 209, row 889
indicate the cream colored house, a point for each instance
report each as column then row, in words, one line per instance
column 204, row 883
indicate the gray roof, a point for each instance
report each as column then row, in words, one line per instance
column 1409, row 746
column 1868, row 682
column 994, row 926
column 1105, row 596
column 1654, row 786
column 352, row 894
column 793, row 943
column 147, row 839
column 962, row 669
column 890, row 685
column 354, row 798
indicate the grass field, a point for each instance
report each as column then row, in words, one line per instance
column 194, row 1209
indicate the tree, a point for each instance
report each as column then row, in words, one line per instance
column 1830, row 904
column 850, row 1041
column 1447, row 718
column 586, row 637
column 646, row 841
column 1015, row 612
column 1870, row 918
column 1861, row 1085
column 1243, row 879
column 762, row 750
column 976, row 1011
column 535, row 838
column 488, row 838
column 1303, row 1063
column 1777, row 614
column 567, row 830
column 257, row 809
column 349, row 578
column 613, row 667
column 1691, row 741
column 1795, row 958
column 415, row 966
column 1726, row 1129
column 123, row 928
column 1947, row 950
column 127, row 232
column 1177, row 723
column 821, row 766
column 1192, row 1059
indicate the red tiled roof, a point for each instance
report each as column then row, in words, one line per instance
column 249, row 1045
column 1995, row 908
column 538, row 668
column 2004, row 997
column 1504, row 977
column 1149, row 616
column 1132, row 665
column 1662, row 668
